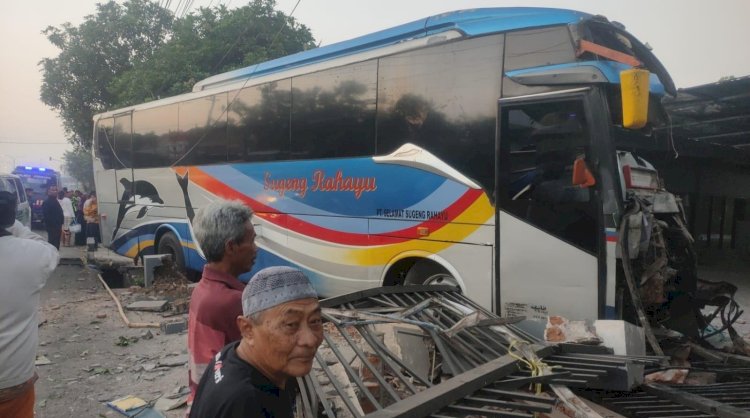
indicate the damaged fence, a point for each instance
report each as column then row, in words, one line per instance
column 430, row 351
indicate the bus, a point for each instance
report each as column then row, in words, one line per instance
column 36, row 181
column 441, row 151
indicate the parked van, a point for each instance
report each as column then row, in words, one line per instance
column 12, row 183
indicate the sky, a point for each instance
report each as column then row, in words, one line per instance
column 697, row 41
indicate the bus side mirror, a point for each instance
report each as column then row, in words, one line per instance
column 634, row 89
column 582, row 176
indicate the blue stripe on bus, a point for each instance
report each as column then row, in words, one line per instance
column 471, row 22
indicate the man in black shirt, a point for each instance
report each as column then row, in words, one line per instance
column 281, row 329
column 53, row 217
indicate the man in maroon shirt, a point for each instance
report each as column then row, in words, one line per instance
column 226, row 236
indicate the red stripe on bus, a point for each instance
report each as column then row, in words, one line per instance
column 272, row 215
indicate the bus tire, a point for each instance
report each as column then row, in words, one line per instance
column 169, row 244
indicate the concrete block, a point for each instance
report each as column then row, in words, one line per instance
column 408, row 343
column 150, row 262
column 622, row 336
column 173, row 326
column 149, row 306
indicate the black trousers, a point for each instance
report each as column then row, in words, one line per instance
column 92, row 230
column 53, row 235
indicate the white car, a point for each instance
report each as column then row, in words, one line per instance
column 11, row 183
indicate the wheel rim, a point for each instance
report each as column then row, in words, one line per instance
column 444, row 279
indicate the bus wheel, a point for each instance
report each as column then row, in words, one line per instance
column 169, row 244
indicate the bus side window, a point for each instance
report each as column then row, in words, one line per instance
column 105, row 142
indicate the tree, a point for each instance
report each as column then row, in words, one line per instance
column 211, row 41
column 136, row 52
column 79, row 165
column 76, row 83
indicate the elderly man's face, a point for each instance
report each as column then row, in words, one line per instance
column 286, row 338
column 242, row 254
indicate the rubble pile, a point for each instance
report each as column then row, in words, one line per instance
column 429, row 351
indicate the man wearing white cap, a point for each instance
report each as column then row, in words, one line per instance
column 281, row 329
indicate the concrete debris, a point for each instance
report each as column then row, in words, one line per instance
column 101, row 315
column 148, row 306
column 173, row 361
column 560, row 329
column 147, row 335
column 700, row 378
column 166, row 404
column 42, row 360
column 174, row 326
column 622, row 337
column 674, row 376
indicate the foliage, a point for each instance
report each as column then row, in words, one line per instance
column 107, row 43
column 78, row 164
column 212, row 41
column 136, row 52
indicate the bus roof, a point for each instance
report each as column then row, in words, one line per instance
column 472, row 22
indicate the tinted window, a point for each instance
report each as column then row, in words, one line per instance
column 333, row 112
column 539, row 144
column 105, row 142
column 122, row 131
column 19, row 187
column 153, row 136
column 537, row 47
column 444, row 99
column 202, row 131
column 8, row 185
column 258, row 125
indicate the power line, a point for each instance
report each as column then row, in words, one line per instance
column 33, row 143
column 273, row 41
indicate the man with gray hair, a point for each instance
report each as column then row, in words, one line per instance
column 281, row 330
column 226, row 236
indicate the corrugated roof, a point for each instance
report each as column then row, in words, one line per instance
column 716, row 113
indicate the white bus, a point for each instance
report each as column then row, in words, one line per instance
column 439, row 151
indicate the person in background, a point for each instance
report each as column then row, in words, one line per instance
column 53, row 217
column 91, row 216
column 27, row 263
column 81, row 236
column 68, row 215
column 226, row 236
column 282, row 328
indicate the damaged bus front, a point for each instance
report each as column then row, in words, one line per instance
column 567, row 196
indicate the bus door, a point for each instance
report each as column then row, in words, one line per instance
column 548, row 229
column 105, row 162
column 124, row 198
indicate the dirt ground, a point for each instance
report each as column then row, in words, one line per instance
column 79, row 329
